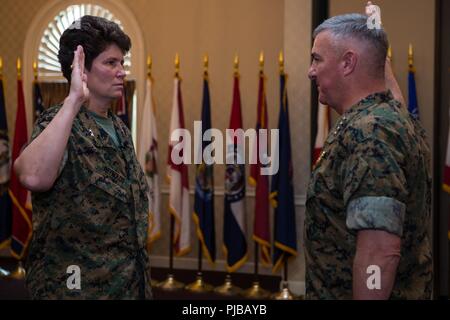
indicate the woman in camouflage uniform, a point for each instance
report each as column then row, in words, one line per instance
column 88, row 189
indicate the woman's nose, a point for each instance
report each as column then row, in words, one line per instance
column 121, row 73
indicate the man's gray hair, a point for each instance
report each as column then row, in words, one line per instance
column 354, row 26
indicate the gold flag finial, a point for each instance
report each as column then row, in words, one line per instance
column 149, row 65
column 236, row 64
column 19, row 68
column 281, row 62
column 261, row 61
column 35, row 70
column 410, row 55
column 205, row 63
column 177, row 65
column 389, row 53
column 410, row 58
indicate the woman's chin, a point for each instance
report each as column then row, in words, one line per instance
column 117, row 94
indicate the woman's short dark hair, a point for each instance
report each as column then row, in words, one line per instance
column 95, row 34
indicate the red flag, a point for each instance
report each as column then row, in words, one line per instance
column 179, row 182
column 261, row 228
column 446, row 184
column 21, row 213
column 122, row 108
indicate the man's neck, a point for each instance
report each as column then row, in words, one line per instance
column 358, row 94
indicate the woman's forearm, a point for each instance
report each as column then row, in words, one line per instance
column 37, row 166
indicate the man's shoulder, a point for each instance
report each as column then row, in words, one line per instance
column 380, row 121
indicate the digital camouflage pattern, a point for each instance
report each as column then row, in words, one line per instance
column 94, row 216
column 374, row 173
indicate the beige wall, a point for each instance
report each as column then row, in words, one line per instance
column 406, row 21
column 15, row 17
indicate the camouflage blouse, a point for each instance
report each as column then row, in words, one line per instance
column 374, row 173
column 94, row 217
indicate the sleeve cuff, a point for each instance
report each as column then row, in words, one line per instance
column 381, row 213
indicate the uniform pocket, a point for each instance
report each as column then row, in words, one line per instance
column 109, row 186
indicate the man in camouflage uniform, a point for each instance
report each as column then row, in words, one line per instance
column 89, row 195
column 368, row 200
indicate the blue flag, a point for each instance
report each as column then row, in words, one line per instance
column 413, row 108
column 204, row 187
column 5, row 202
column 282, row 195
column 235, row 224
column 37, row 101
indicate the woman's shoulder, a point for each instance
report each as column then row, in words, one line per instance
column 49, row 113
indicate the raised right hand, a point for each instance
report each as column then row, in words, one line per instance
column 79, row 91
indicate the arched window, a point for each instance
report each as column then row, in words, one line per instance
column 42, row 44
column 48, row 64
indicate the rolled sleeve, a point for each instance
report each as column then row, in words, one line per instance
column 382, row 213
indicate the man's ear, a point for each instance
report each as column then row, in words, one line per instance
column 349, row 61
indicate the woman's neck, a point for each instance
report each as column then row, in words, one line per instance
column 99, row 107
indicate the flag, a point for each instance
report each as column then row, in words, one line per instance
column 204, row 186
column 413, row 108
column 21, row 213
column 122, row 108
column 4, row 140
column 234, row 227
column 148, row 158
column 282, row 195
column 179, row 182
column 446, row 184
column 323, row 126
column 261, row 227
column 5, row 203
column 37, row 100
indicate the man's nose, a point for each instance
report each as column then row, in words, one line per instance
column 311, row 73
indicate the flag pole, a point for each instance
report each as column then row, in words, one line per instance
column 256, row 291
column 153, row 282
column 19, row 273
column 170, row 284
column 199, row 285
column 228, row 288
column 284, row 293
column 3, row 272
